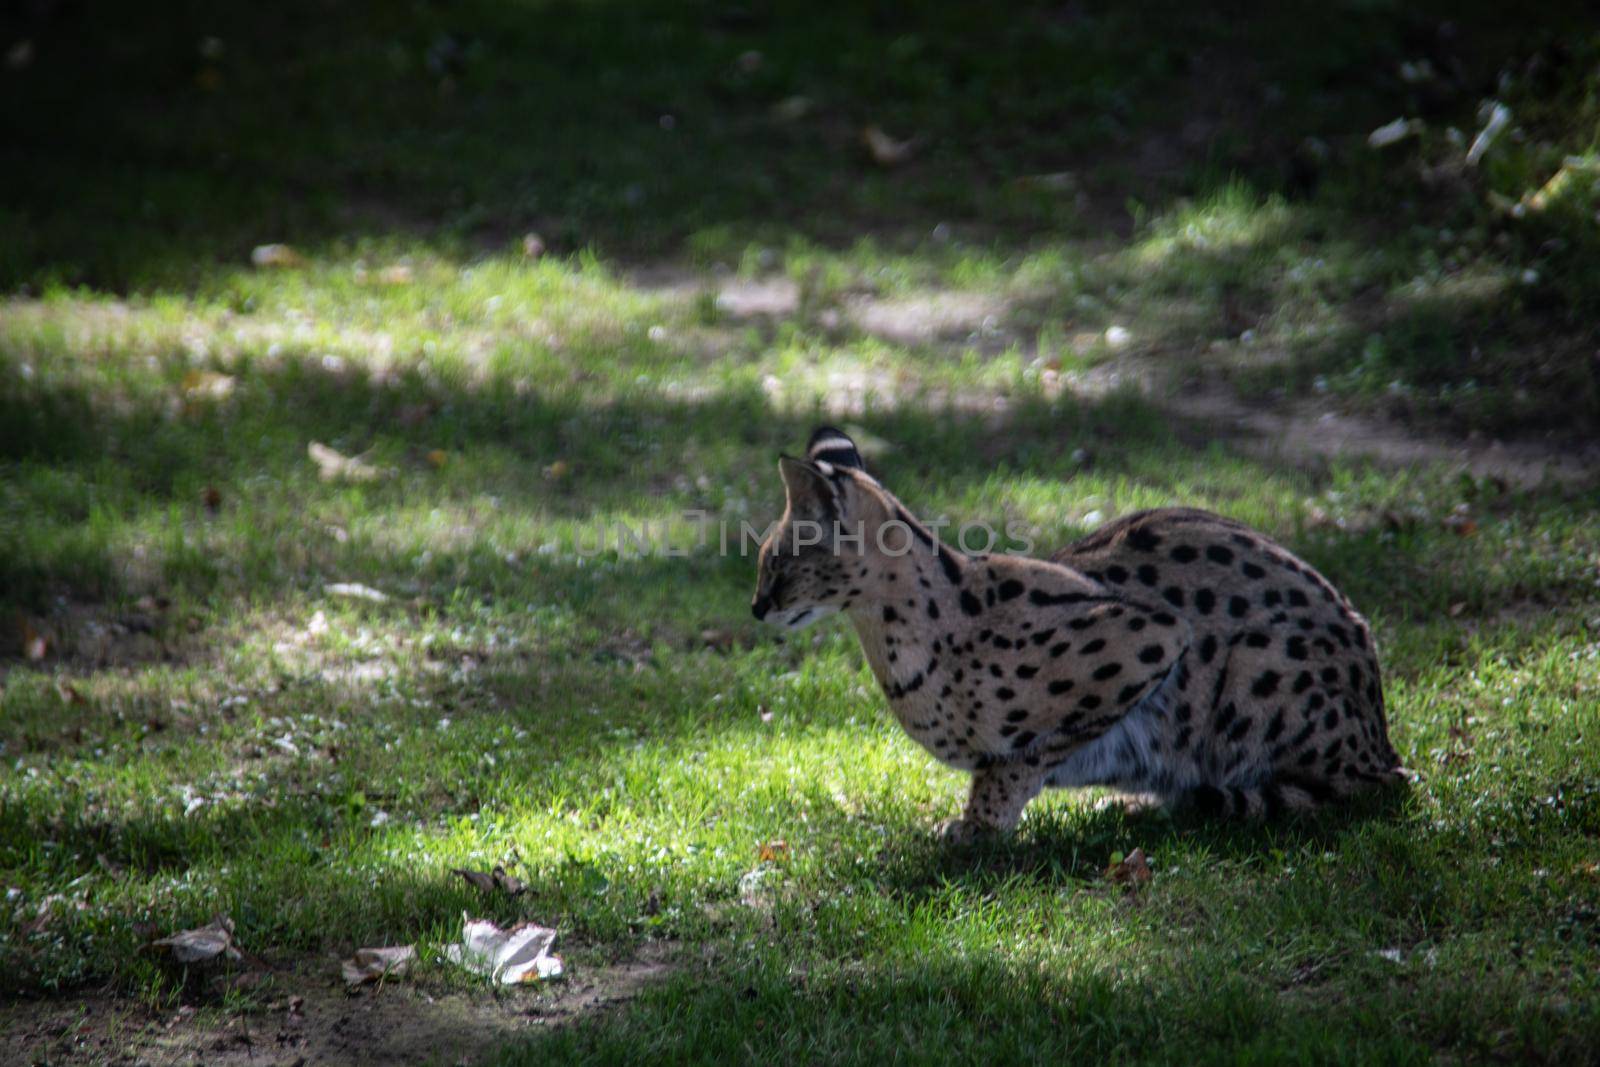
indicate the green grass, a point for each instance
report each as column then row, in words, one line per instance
column 211, row 729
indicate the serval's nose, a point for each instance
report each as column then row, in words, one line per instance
column 760, row 606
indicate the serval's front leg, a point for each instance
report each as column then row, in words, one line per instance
column 999, row 793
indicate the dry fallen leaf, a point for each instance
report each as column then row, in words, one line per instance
column 203, row 943
column 69, row 694
column 1132, row 870
column 885, row 150
column 211, row 497
column 1457, row 608
column 720, row 640
column 35, row 644
column 375, row 964
column 495, row 880
column 508, row 957
column 437, row 458
column 558, row 470
column 773, row 852
column 333, row 465
column 207, row 385
column 275, row 256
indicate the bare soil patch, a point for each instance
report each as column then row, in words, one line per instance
column 301, row 1018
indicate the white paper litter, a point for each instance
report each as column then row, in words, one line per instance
column 356, row 590
column 508, row 957
column 1393, row 132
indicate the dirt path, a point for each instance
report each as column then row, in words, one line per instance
column 303, row 1018
column 1298, row 432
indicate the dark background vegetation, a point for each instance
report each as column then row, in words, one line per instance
column 1198, row 173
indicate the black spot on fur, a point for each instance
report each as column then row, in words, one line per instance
column 1005, row 692
column 1109, row 670
column 1295, row 647
column 1010, row 589
column 1251, row 570
column 1058, row 648
column 1173, row 595
column 1297, row 599
column 1130, row 692
column 970, row 604
column 890, row 615
column 1089, row 701
column 1209, row 800
column 1238, row 607
column 1143, row 540
column 1204, row 601
column 1092, row 647
column 1044, row 635
column 933, row 610
column 947, row 561
column 1116, row 575
column 1185, row 554
column 1059, row 686
column 1148, row 574
column 1150, row 654
column 1208, row 648
column 1046, row 600
column 1219, row 554
column 1017, row 716
column 1225, row 717
column 1266, row 684
column 1024, row 739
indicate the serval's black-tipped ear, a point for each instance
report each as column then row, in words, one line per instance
column 828, row 445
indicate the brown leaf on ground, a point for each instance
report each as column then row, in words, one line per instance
column 207, row 385
column 334, row 466
column 776, row 851
column 720, row 640
column 885, row 150
column 1132, row 870
column 202, row 943
column 35, row 643
column 375, row 964
column 211, row 497
column 492, row 882
column 276, row 256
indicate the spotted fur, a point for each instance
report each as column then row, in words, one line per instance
column 1172, row 653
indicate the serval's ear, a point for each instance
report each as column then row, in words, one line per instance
column 811, row 494
column 828, row 445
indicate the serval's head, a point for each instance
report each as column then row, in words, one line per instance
column 812, row 558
